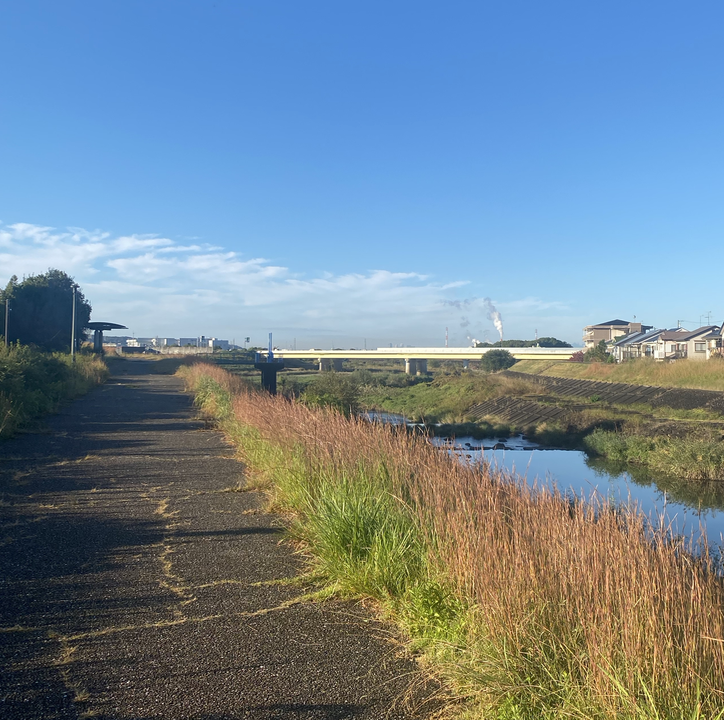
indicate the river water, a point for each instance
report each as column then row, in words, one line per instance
column 687, row 506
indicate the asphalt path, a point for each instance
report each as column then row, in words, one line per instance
column 135, row 584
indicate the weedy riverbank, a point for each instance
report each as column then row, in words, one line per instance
column 695, row 374
column 530, row 605
column 34, row 383
column 690, row 458
column 448, row 398
column 686, row 443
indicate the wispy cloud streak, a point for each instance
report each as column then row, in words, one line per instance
column 160, row 286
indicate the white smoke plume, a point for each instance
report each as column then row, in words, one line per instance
column 494, row 315
column 470, row 304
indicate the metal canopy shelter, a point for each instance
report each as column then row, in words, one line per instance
column 98, row 329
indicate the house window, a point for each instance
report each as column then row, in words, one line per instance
column 699, row 347
column 672, row 348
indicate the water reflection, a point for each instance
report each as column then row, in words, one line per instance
column 688, row 506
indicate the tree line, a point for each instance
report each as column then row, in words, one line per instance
column 544, row 342
column 38, row 311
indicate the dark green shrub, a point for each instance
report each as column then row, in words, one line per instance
column 598, row 354
column 495, row 360
column 33, row 383
column 332, row 389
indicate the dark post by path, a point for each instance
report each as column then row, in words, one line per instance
column 139, row 582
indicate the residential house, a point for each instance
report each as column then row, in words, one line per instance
column 679, row 344
column 609, row 331
column 715, row 343
column 636, row 345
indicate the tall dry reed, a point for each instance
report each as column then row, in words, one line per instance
column 572, row 609
column 701, row 374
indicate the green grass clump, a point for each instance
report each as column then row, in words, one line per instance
column 34, row 383
column 528, row 604
column 448, row 398
column 689, row 458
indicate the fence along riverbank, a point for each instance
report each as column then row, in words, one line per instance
column 531, row 606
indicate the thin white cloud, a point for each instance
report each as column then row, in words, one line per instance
column 158, row 286
column 532, row 305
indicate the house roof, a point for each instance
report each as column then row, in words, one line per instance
column 652, row 335
column 612, row 322
column 629, row 339
column 685, row 336
column 639, row 337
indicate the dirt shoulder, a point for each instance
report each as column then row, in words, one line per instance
column 137, row 586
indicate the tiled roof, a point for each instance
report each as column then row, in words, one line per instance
column 639, row 337
column 686, row 336
column 611, row 322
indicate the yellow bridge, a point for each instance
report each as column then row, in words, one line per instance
column 416, row 358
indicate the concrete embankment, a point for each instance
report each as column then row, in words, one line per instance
column 568, row 397
column 137, row 585
column 626, row 394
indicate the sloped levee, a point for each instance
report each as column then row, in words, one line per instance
column 625, row 394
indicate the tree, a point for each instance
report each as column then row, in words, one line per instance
column 495, row 360
column 598, row 353
column 551, row 342
column 41, row 310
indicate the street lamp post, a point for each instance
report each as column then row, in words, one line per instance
column 72, row 329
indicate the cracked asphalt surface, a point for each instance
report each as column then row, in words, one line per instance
column 136, row 586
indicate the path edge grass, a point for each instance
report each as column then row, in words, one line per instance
column 35, row 383
column 365, row 538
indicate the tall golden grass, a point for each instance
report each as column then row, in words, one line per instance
column 571, row 609
column 696, row 374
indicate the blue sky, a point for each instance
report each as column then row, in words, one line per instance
column 339, row 171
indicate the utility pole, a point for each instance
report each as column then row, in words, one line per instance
column 72, row 329
column 7, row 315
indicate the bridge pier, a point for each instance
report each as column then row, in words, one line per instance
column 326, row 364
column 415, row 366
column 269, row 372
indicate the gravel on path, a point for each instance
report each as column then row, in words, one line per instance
column 135, row 584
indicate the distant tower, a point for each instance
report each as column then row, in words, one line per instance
column 445, row 337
